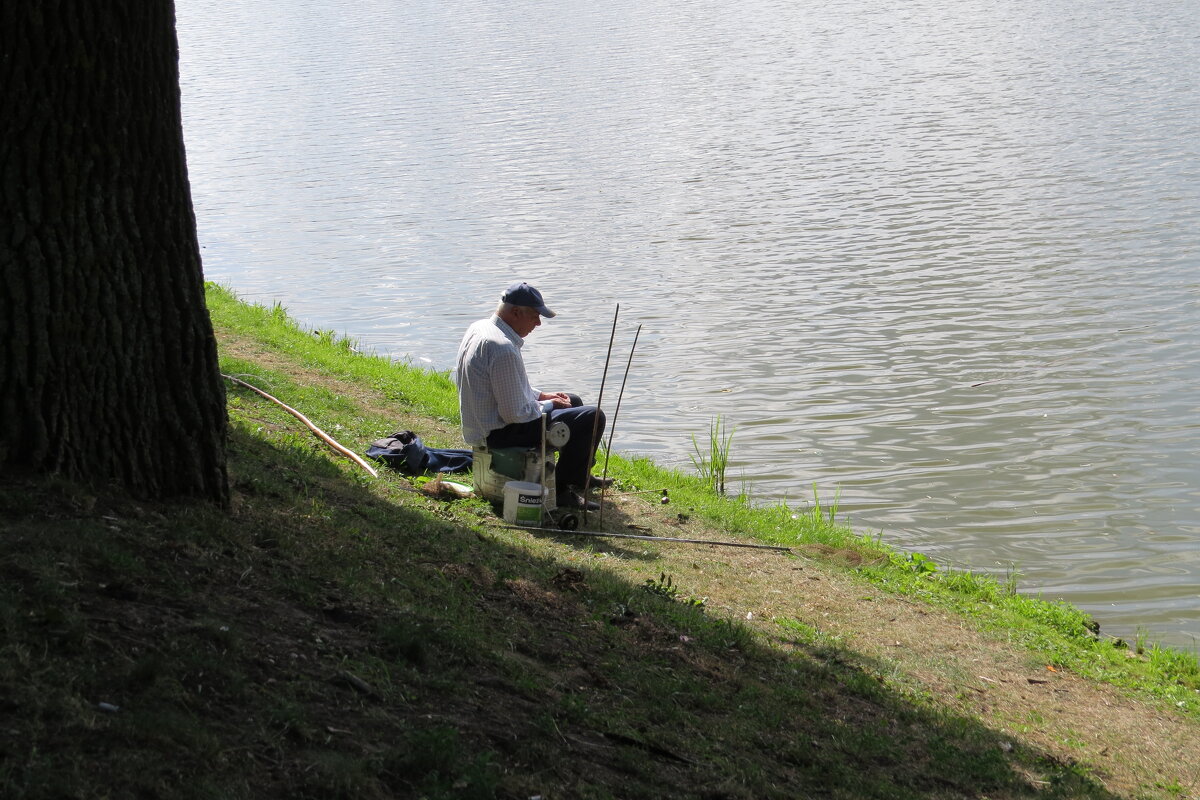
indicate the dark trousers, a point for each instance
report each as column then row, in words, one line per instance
column 577, row 455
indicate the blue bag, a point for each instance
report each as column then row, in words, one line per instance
column 405, row 452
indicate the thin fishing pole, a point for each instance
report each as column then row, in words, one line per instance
column 649, row 538
column 587, row 482
column 613, row 426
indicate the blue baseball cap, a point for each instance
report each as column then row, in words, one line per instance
column 522, row 294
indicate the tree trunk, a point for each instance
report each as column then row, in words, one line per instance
column 108, row 363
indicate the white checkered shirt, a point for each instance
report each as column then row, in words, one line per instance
column 493, row 389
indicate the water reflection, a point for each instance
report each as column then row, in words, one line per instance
column 939, row 260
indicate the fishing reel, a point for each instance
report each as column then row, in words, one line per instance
column 558, row 435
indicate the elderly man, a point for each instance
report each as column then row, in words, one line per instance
column 501, row 409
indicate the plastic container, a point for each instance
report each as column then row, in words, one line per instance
column 523, row 503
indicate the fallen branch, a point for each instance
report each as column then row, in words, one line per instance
column 322, row 435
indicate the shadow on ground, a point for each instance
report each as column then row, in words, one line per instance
column 323, row 641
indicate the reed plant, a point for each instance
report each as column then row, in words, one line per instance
column 711, row 465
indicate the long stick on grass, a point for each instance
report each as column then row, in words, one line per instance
column 322, row 435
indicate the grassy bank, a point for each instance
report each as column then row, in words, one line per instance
column 338, row 635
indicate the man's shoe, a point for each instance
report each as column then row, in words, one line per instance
column 600, row 483
column 573, row 499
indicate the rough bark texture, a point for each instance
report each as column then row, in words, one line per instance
column 108, row 363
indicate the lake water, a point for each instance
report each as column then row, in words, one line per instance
column 941, row 261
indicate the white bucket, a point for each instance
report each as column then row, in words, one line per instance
column 523, row 503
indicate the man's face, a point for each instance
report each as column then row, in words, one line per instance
column 527, row 320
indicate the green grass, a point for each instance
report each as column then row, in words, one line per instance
column 342, row 636
column 400, row 384
column 1058, row 633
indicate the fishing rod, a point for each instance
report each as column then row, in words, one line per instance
column 596, row 421
column 613, row 426
column 649, row 538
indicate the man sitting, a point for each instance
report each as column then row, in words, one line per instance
column 500, row 408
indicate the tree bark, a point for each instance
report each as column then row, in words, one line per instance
column 108, row 362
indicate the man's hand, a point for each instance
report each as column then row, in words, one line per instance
column 559, row 399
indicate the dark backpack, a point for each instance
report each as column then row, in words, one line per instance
column 403, row 451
